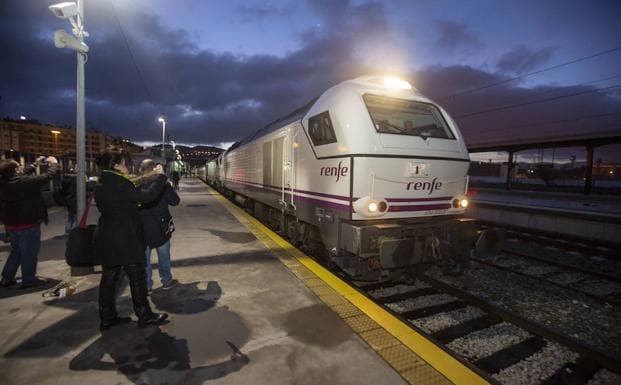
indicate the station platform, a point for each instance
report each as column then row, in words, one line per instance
column 591, row 218
column 605, row 205
column 249, row 309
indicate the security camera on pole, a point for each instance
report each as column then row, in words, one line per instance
column 74, row 12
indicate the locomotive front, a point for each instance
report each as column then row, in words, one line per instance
column 408, row 179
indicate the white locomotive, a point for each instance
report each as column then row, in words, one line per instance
column 372, row 175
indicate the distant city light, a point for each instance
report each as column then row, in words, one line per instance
column 22, row 117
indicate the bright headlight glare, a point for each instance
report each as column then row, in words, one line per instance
column 372, row 207
column 463, row 203
column 396, row 83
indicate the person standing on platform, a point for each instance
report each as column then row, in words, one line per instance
column 175, row 179
column 158, row 226
column 119, row 239
column 24, row 211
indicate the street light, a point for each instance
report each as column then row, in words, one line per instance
column 55, row 133
column 163, row 121
column 74, row 12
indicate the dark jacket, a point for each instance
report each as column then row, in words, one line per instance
column 69, row 192
column 22, row 199
column 119, row 238
column 155, row 215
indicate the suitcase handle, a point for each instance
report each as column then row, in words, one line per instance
column 89, row 202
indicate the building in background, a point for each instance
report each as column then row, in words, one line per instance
column 25, row 139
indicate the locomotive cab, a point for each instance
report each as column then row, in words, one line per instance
column 407, row 167
column 371, row 173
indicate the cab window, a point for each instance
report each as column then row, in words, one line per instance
column 320, row 129
column 406, row 117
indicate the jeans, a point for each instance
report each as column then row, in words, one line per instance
column 25, row 245
column 163, row 264
column 71, row 222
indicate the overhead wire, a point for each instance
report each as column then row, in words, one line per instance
column 529, row 74
column 536, row 101
column 575, row 119
column 131, row 55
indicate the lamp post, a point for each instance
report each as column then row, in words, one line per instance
column 55, row 133
column 162, row 120
column 74, row 12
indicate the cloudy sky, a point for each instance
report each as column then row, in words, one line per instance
column 219, row 70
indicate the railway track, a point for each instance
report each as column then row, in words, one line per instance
column 599, row 286
column 508, row 347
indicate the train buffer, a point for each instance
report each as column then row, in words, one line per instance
column 248, row 309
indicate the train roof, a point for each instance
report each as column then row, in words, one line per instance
column 298, row 114
column 362, row 82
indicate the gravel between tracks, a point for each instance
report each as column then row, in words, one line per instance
column 605, row 377
column 420, row 302
column 537, row 367
column 438, row 322
column 485, row 342
column 570, row 313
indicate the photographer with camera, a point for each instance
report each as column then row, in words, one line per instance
column 24, row 210
column 157, row 225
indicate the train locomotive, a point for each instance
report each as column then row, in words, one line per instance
column 371, row 175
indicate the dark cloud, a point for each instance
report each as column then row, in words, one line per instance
column 138, row 68
column 454, row 36
column 523, row 59
column 589, row 112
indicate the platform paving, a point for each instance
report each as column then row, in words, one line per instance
column 233, row 294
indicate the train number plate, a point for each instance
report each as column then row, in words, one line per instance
column 416, row 169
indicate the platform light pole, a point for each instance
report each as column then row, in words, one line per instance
column 74, row 12
column 162, row 120
column 56, row 149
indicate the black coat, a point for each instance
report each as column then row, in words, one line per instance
column 119, row 238
column 69, row 191
column 155, row 215
column 22, row 199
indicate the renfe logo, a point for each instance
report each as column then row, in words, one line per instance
column 424, row 186
column 337, row 171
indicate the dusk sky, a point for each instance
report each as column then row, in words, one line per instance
column 219, row 70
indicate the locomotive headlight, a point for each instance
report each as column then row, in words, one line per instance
column 369, row 207
column 372, row 207
column 459, row 202
column 396, row 83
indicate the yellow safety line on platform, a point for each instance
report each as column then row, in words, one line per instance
column 440, row 360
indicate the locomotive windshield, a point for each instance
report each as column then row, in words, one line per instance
column 406, row 117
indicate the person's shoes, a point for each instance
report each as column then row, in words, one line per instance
column 36, row 283
column 153, row 319
column 170, row 284
column 4, row 283
column 105, row 325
